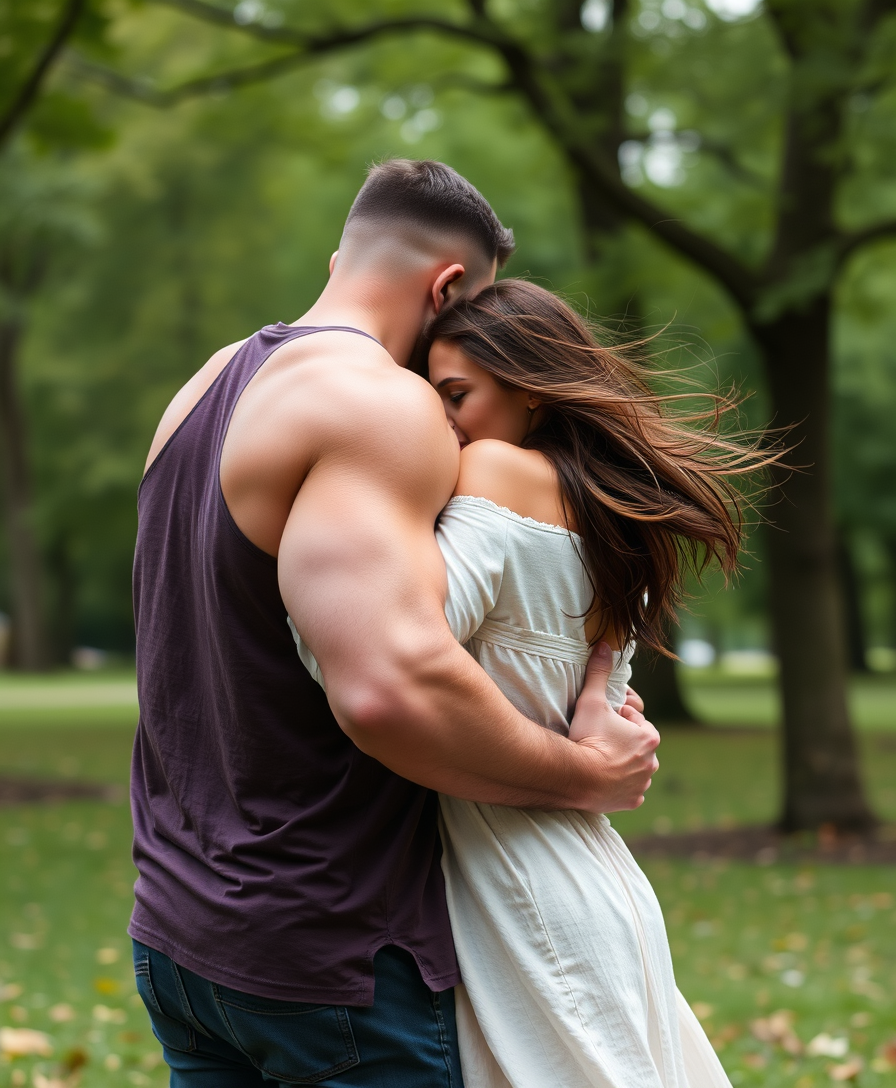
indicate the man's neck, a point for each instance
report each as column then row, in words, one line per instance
column 379, row 313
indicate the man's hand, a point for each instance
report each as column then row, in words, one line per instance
column 626, row 742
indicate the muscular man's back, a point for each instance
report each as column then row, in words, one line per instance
column 312, row 400
column 249, row 801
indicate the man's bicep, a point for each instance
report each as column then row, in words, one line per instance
column 360, row 572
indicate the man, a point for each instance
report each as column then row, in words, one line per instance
column 287, row 848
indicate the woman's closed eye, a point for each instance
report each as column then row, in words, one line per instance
column 456, row 398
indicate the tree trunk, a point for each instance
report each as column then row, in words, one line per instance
column 822, row 783
column 853, row 611
column 890, row 548
column 30, row 648
column 655, row 679
column 60, row 572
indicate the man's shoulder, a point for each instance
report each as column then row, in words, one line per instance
column 362, row 387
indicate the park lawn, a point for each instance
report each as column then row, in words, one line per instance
column 748, row 941
column 753, row 700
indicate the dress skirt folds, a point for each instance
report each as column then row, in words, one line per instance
column 568, row 979
column 567, row 974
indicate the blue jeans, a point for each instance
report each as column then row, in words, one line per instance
column 215, row 1037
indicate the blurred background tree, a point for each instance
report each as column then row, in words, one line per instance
column 719, row 164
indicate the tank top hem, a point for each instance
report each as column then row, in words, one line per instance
column 360, row 995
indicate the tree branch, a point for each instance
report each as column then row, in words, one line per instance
column 150, row 95
column 595, row 170
column 31, row 87
column 549, row 106
column 312, row 43
column 722, row 153
column 849, row 243
column 726, row 157
column 460, row 81
column 784, row 30
column 875, row 11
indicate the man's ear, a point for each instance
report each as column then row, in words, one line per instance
column 333, row 261
column 442, row 287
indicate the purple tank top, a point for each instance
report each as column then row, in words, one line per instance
column 273, row 856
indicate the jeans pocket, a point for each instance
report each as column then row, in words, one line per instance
column 172, row 1033
column 290, row 1040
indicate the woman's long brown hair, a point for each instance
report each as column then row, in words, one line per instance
column 650, row 491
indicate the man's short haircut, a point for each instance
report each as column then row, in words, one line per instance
column 433, row 197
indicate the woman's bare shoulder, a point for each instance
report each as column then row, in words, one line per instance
column 521, row 480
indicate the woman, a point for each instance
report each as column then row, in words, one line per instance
column 578, row 503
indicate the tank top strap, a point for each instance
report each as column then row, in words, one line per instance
column 220, row 399
column 249, row 358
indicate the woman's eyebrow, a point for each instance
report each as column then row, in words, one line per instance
column 445, row 381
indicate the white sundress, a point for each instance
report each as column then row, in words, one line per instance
column 567, row 975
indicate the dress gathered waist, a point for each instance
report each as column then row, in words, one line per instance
column 540, row 643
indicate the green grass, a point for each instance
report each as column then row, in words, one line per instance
column 747, row 940
column 726, row 700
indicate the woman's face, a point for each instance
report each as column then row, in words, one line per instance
column 477, row 406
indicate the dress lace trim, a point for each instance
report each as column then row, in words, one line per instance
column 478, row 500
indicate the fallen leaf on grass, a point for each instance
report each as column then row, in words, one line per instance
column 778, row 1030
column 847, row 1071
column 887, row 1053
column 75, row 1060
column 701, row 1010
column 10, row 991
column 25, row 942
column 61, row 1014
column 755, row 1061
column 826, row 1046
column 24, row 1043
column 727, row 1034
column 105, row 1015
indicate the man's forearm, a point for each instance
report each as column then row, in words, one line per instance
column 444, row 724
